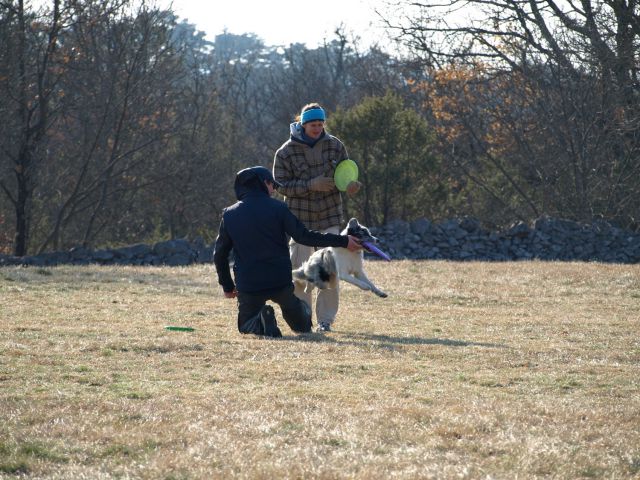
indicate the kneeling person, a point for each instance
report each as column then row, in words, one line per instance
column 256, row 228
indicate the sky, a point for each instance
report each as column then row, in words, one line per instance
column 279, row 22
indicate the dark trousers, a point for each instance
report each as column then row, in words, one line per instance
column 296, row 313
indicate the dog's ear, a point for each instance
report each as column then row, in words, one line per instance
column 353, row 223
column 324, row 275
column 329, row 262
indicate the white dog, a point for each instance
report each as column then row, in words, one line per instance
column 327, row 266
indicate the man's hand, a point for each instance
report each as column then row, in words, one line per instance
column 321, row 184
column 232, row 294
column 353, row 188
column 354, row 244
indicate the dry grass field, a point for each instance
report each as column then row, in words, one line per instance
column 468, row 370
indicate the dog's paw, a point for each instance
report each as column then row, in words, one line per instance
column 381, row 294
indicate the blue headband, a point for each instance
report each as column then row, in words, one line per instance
column 312, row 114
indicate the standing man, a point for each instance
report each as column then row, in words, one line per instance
column 256, row 228
column 304, row 166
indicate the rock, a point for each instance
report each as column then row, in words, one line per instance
column 420, row 227
column 519, row 230
column 171, row 247
column 179, row 260
column 399, row 227
column 470, row 224
column 79, row 252
column 103, row 256
column 205, row 255
column 133, row 251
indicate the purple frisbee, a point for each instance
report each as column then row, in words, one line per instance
column 372, row 248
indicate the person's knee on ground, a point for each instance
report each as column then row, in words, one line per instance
column 251, row 325
column 269, row 323
column 256, row 317
column 304, row 324
column 296, row 312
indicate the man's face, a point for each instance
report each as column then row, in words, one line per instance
column 313, row 128
column 269, row 187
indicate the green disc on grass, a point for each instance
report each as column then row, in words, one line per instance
column 179, row 329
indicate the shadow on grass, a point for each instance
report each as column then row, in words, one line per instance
column 360, row 339
column 421, row 341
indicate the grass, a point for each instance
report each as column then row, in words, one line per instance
column 467, row 370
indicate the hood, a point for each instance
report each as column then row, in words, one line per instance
column 297, row 133
column 251, row 180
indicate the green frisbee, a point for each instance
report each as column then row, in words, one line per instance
column 346, row 172
column 179, row 329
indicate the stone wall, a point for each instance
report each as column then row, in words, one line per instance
column 174, row 253
column 456, row 239
column 546, row 239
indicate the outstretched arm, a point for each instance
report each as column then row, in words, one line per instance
column 296, row 230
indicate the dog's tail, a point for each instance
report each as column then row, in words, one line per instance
column 298, row 274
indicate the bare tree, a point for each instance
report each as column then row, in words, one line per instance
column 115, row 118
column 31, row 70
column 574, row 68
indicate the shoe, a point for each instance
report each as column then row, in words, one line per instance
column 269, row 324
column 323, row 327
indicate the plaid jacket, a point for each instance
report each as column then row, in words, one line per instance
column 296, row 163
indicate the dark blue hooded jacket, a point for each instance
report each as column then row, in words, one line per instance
column 256, row 228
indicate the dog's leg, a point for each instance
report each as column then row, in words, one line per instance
column 363, row 277
column 361, row 280
column 364, row 285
